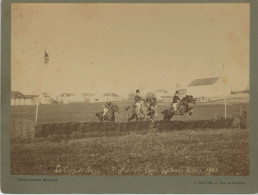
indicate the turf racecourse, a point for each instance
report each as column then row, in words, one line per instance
column 186, row 152
column 85, row 112
column 151, row 152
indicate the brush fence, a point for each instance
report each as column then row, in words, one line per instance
column 22, row 128
column 45, row 130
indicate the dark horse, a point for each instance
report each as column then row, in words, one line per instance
column 110, row 115
column 185, row 106
column 148, row 111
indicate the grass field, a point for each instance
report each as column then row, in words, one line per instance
column 85, row 112
column 188, row 152
column 185, row 152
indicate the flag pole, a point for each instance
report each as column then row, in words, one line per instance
column 46, row 59
column 225, row 100
column 37, row 109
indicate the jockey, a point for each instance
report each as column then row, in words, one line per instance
column 175, row 101
column 151, row 102
column 107, row 107
column 185, row 101
column 138, row 100
column 191, row 98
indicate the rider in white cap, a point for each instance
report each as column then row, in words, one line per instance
column 138, row 100
column 175, row 101
column 107, row 107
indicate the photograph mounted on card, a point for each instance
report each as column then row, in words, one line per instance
column 131, row 89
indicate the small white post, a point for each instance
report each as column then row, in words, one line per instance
column 37, row 108
column 46, row 59
column 225, row 102
column 225, row 96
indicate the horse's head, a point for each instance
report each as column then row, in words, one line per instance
column 163, row 112
column 154, row 102
column 127, row 108
column 194, row 100
column 99, row 115
column 168, row 114
column 115, row 109
column 151, row 101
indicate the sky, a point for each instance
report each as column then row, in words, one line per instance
column 97, row 47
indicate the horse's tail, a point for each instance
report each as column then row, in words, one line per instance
column 127, row 108
column 191, row 106
column 163, row 112
column 117, row 109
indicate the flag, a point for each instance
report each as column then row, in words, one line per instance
column 46, row 57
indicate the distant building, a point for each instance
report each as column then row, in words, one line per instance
column 130, row 96
column 162, row 93
column 111, row 97
column 88, row 96
column 18, row 98
column 76, row 98
column 45, row 98
column 94, row 98
column 66, row 98
column 30, row 99
column 182, row 92
column 208, row 87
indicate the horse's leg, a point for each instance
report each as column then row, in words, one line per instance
column 181, row 112
column 113, row 118
column 110, row 118
column 165, row 115
column 131, row 118
column 171, row 115
column 130, row 113
column 135, row 116
column 190, row 112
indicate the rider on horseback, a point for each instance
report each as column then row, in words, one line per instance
column 107, row 107
column 138, row 100
column 151, row 102
column 175, row 101
column 186, row 100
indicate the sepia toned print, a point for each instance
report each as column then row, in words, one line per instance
column 130, row 89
